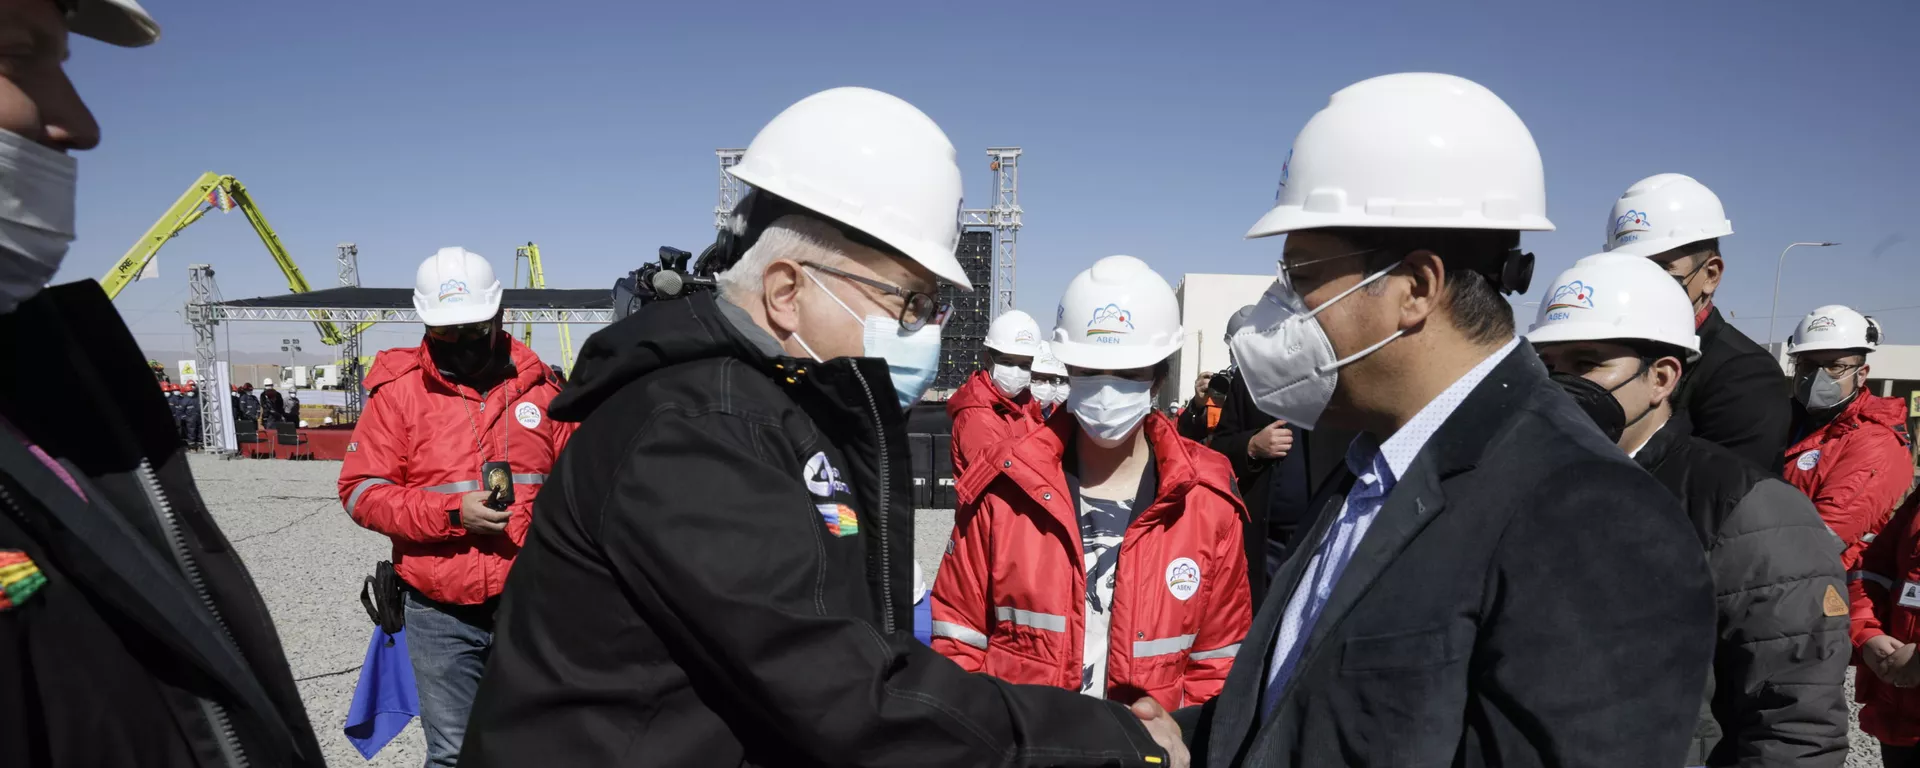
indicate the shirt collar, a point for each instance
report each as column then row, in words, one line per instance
column 1396, row 453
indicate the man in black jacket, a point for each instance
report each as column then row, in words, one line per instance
column 1776, row 695
column 130, row 632
column 720, row 567
column 1735, row 394
column 1488, row 580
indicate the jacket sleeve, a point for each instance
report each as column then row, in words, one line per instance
column 1598, row 622
column 962, row 599
column 789, row 655
column 1192, row 424
column 1227, row 615
column 1780, row 671
column 522, row 520
column 373, row 479
column 1870, row 587
column 974, row 431
column 1868, row 477
column 1746, row 408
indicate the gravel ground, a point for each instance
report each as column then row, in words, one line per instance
column 309, row 558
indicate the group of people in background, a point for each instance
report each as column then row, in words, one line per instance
column 1394, row 533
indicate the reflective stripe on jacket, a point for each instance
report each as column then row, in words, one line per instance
column 419, row 446
column 1009, row 597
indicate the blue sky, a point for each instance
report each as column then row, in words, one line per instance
column 1153, row 129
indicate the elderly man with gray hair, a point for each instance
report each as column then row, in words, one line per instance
column 720, row 570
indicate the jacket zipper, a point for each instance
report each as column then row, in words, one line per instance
column 886, row 544
column 216, row 713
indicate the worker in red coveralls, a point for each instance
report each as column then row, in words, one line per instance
column 994, row 405
column 453, row 446
column 1849, row 452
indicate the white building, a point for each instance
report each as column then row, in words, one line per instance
column 1206, row 302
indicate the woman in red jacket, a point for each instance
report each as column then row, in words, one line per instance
column 1101, row 553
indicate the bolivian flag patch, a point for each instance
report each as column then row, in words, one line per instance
column 19, row 578
column 840, row 519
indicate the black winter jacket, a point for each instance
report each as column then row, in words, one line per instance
column 148, row 645
column 1736, row 395
column 1776, row 695
column 719, row 573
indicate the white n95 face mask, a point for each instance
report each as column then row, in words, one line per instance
column 913, row 359
column 1109, row 408
column 1042, row 391
column 1286, row 358
column 36, row 215
column 1011, row 380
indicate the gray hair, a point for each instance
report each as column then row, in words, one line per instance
column 792, row 236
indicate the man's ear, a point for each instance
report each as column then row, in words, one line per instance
column 780, row 295
column 1710, row 274
column 1426, row 279
column 1665, row 377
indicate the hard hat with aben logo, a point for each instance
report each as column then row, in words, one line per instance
column 1414, row 149
column 1834, row 327
column 1015, row 333
column 870, row 161
column 1616, row 297
column 1117, row 315
column 455, row 286
column 1662, row 212
column 1046, row 363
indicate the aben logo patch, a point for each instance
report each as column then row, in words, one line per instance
column 1183, row 578
column 527, row 414
column 1808, row 460
column 822, row 480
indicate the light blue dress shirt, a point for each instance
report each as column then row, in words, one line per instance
column 1376, row 468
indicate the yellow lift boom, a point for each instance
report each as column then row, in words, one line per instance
column 537, row 278
column 212, row 192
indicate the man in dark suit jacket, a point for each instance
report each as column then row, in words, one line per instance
column 1488, row 580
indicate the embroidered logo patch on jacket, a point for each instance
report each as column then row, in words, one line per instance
column 19, row 578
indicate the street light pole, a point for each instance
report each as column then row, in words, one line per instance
column 1774, row 313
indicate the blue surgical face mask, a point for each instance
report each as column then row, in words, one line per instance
column 913, row 358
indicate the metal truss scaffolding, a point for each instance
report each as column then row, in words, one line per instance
column 348, row 265
column 202, row 294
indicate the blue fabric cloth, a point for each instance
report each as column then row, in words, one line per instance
column 923, row 621
column 384, row 700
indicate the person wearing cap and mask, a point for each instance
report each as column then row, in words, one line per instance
column 1101, row 553
column 1617, row 335
column 1850, row 452
column 1733, row 394
column 248, row 409
column 130, row 632
column 454, row 444
column 736, row 506
column 1488, row 580
column 1049, row 387
column 994, row 405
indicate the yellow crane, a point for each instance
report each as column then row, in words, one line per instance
column 537, row 278
column 210, row 192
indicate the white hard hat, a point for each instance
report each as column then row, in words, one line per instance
column 1117, row 315
column 115, row 22
column 1834, row 327
column 1663, row 212
column 327, row 420
column 303, row 422
column 454, row 287
column 266, row 382
column 1045, row 362
column 1415, row 149
column 1611, row 296
column 1015, row 333
column 869, row 161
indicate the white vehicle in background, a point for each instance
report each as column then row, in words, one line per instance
column 326, row 376
column 298, row 376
